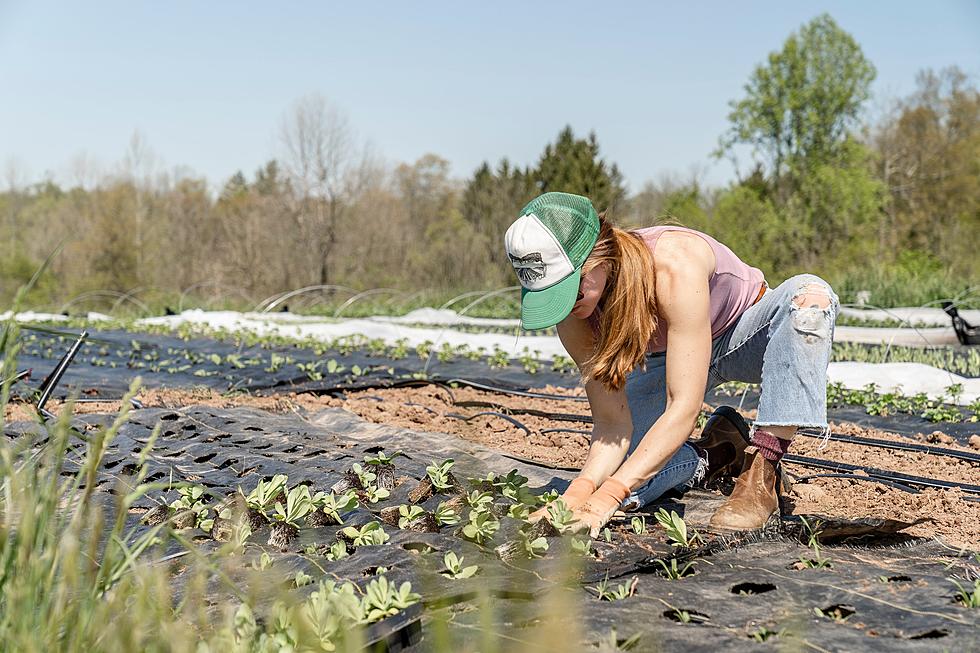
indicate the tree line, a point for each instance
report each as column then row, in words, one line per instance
column 890, row 205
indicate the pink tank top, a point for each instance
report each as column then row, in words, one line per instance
column 733, row 287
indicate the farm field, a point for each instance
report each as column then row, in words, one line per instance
column 369, row 493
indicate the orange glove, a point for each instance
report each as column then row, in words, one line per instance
column 575, row 495
column 601, row 506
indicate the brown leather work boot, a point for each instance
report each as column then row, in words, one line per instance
column 723, row 441
column 755, row 498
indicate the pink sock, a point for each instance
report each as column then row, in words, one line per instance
column 771, row 447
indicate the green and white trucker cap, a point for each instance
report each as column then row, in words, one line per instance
column 547, row 246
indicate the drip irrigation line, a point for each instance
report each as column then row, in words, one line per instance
column 538, row 463
column 516, row 393
column 493, row 413
column 908, row 479
column 51, row 382
column 563, row 417
column 901, row 446
column 570, row 417
column 857, row 477
column 577, row 431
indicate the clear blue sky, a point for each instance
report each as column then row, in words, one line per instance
column 207, row 82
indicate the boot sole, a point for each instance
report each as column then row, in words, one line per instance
column 775, row 519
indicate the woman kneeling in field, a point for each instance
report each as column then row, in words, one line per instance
column 654, row 318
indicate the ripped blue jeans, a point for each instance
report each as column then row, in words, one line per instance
column 777, row 342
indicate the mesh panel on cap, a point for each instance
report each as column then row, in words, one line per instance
column 572, row 219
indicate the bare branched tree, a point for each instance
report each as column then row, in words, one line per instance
column 327, row 169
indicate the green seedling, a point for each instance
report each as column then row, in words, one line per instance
column 298, row 505
column 264, row 562
column 534, row 548
column 639, row 525
column 562, row 364
column 408, row 514
column 613, row 643
column 498, row 358
column 764, row 634
column 559, row 515
column 513, row 485
column 302, row 580
column 335, row 506
column 547, row 497
column 455, row 568
column 366, row 477
column 382, row 599
column 374, row 494
column 439, row 474
column 607, row 535
column 481, row 528
column 965, row 596
column 424, row 349
column 676, row 529
column 581, row 546
column 381, row 458
column 605, row 592
column 311, row 370
column 518, row 511
column 370, row 534
column 817, row 561
column 445, row 515
column 337, row 551
column 837, row 613
column 276, row 362
column 479, row 500
column 672, row 571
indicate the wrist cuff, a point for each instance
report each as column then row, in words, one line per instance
column 581, row 487
column 614, row 490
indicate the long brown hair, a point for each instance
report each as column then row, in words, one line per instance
column 628, row 305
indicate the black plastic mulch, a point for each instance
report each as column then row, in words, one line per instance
column 883, row 593
column 107, row 364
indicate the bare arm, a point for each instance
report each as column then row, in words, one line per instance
column 684, row 266
column 612, row 425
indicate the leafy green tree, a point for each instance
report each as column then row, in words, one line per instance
column 573, row 165
column 928, row 153
column 800, row 105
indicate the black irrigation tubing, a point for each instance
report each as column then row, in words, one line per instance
column 908, row 479
column 516, row 393
column 561, row 417
column 538, row 463
column 587, row 434
column 901, row 446
column 857, row 477
column 493, row 413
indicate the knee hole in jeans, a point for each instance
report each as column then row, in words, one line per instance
column 812, row 295
column 811, row 306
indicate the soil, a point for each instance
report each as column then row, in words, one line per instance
column 437, row 409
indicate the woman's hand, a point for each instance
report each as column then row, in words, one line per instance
column 600, row 508
column 575, row 495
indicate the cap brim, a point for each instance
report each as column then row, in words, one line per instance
column 541, row 309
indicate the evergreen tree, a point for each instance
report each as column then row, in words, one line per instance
column 573, row 165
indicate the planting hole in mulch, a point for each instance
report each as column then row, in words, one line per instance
column 935, row 633
column 898, row 579
column 752, row 588
column 837, row 612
